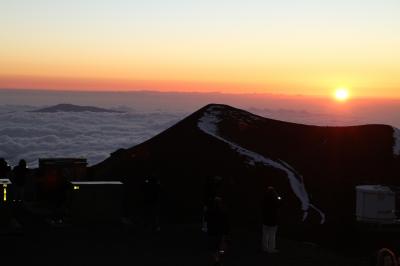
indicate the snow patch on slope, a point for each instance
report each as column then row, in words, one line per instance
column 208, row 124
column 396, row 137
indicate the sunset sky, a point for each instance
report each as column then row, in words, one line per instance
column 307, row 47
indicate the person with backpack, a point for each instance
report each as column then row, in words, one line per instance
column 19, row 173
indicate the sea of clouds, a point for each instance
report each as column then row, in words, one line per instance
column 91, row 135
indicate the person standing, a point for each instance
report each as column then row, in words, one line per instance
column 218, row 229
column 211, row 189
column 270, row 220
column 152, row 193
column 4, row 168
column 19, row 178
column 59, row 197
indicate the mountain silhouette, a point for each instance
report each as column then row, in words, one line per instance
column 315, row 169
column 64, row 107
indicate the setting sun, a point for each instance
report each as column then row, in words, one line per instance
column 342, row 94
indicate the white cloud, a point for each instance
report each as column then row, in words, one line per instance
column 91, row 135
column 310, row 118
column 95, row 135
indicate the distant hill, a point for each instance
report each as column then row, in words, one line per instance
column 73, row 108
column 315, row 169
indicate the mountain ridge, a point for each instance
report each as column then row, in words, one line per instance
column 66, row 107
column 310, row 165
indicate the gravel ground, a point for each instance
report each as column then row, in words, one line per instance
column 36, row 242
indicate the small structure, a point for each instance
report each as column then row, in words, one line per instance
column 73, row 168
column 375, row 204
column 54, row 173
column 96, row 201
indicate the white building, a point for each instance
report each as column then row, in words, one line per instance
column 376, row 204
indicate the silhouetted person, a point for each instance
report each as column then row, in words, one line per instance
column 20, row 173
column 4, row 168
column 152, row 192
column 270, row 220
column 218, row 228
column 211, row 190
column 59, row 198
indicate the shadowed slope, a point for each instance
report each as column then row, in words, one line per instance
column 315, row 168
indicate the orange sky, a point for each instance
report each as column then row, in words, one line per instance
column 291, row 47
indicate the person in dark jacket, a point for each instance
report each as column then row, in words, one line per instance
column 152, row 201
column 59, row 197
column 4, row 168
column 20, row 173
column 270, row 220
column 218, row 228
column 211, row 189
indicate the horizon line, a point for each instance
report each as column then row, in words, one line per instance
column 320, row 96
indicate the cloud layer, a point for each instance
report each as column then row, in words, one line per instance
column 94, row 136
column 91, row 135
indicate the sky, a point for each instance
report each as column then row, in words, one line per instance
column 294, row 47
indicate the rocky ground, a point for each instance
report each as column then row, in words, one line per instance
column 35, row 241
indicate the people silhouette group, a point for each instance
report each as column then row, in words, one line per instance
column 17, row 176
column 216, row 219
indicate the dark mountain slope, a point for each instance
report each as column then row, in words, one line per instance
column 315, row 168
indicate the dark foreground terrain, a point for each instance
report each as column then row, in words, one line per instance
column 36, row 242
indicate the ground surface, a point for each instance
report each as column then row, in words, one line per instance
column 37, row 242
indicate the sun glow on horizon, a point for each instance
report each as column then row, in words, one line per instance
column 280, row 47
column 342, row 94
